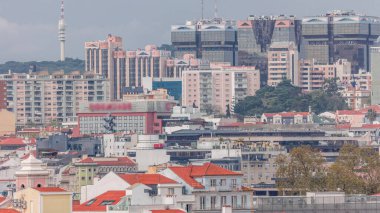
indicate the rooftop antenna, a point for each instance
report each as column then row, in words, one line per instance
column 215, row 8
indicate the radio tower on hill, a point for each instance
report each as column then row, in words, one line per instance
column 61, row 31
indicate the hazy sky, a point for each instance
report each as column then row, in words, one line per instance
column 28, row 28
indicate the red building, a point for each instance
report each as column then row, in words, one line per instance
column 126, row 117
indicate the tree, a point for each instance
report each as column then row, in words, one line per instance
column 356, row 170
column 371, row 115
column 301, row 171
column 228, row 111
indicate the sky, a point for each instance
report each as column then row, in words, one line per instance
column 29, row 28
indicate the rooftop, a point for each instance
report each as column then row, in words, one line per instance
column 49, row 189
column 147, row 179
column 189, row 173
column 120, row 161
column 100, row 202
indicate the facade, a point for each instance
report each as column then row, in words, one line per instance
column 175, row 66
column 43, row 199
column 216, row 88
column 339, row 35
column 3, row 94
column 42, row 98
column 137, row 116
column 33, row 173
column 210, row 40
column 149, row 62
column 107, row 58
column 212, row 187
column 287, row 118
column 8, row 122
column 375, row 71
column 313, row 74
column 118, row 144
column 283, row 63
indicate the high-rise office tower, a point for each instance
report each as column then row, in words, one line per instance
column 149, row 62
column 104, row 57
column 212, row 40
column 256, row 34
column 340, row 35
column 375, row 71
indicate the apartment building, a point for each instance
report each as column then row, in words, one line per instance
column 3, row 94
column 107, row 58
column 283, row 63
column 149, row 62
column 41, row 98
column 218, row 88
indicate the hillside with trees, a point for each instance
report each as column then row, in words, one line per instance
column 68, row 65
column 285, row 97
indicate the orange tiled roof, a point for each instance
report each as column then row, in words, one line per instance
column 188, row 173
column 96, row 204
column 147, row 179
column 49, row 189
column 8, row 211
column 2, row 198
column 168, row 211
column 13, row 141
column 111, row 162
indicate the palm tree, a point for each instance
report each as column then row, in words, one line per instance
column 371, row 115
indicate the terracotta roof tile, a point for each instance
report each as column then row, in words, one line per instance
column 188, row 173
column 147, row 179
column 110, row 161
column 98, row 203
column 13, row 141
column 8, row 211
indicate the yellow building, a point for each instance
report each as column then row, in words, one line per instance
column 7, row 122
column 43, row 199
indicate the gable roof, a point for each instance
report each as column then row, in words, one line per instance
column 97, row 203
column 189, row 173
column 147, row 179
column 49, row 189
column 13, row 142
column 120, row 161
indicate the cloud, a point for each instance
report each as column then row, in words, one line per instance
column 23, row 41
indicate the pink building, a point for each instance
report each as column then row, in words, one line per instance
column 33, row 173
column 313, row 74
column 283, row 63
column 107, row 57
column 214, row 89
column 149, row 62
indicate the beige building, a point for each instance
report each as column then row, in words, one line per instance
column 218, row 87
column 283, row 63
column 44, row 199
column 7, row 123
column 41, row 98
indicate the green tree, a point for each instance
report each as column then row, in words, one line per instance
column 371, row 115
column 301, row 171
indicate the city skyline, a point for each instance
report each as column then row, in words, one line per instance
column 36, row 29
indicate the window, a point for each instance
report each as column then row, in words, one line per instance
column 244, row 201
column 170, row 191
column 223, row 200
column 233, row 182
column 202, row 202
column 106, row 202
column 213, row 202
column 234, row 201
column 90, row 202
column 213, row 182
column 222, row 182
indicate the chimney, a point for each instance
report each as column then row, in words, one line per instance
column 226, row 209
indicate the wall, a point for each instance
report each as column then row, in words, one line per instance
column 56, row 203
